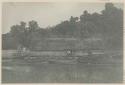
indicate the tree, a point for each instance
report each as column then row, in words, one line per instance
column 24, row 35
column 73, row 19
column 112, row 19
column 18, row 32
column 85, row 16
column 33, row 25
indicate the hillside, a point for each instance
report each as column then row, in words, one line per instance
column 107, row 26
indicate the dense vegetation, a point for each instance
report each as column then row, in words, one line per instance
column 108, row 25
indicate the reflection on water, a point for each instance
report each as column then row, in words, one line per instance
column 60, row 73
column 17, row 68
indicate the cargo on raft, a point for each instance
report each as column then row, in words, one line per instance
column 66, row 51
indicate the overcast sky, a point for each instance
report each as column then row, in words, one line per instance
column 46, row 14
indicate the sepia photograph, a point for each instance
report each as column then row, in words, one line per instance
column 62, row 42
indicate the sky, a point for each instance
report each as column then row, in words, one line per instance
column 45, row 13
